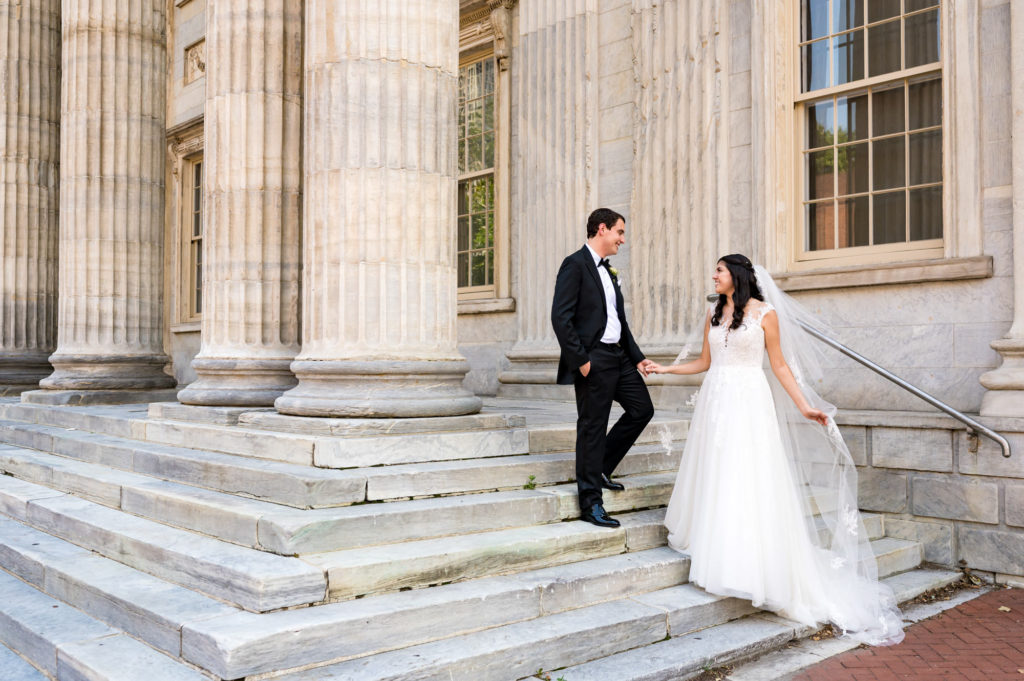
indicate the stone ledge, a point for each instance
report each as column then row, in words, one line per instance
column 89, row 397
column 487, row 305
column 946, row 269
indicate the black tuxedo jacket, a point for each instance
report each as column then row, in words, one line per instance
column 579, row 314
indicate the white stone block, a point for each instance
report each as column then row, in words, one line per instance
column 15, row 668
column 261, row 445
column 690, row 608
column 35, row 625
column 319, row 530
column 15, row 496
column 119, row 658
column 916, row 449
column 970, row 500
column 375, row 451
column 253, row 579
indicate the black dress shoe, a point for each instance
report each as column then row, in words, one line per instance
column 596, row 515
column 607, row 483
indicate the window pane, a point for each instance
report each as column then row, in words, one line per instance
column 473, row 81
column 848, row 53
column 884, row 48
column 462, row 119
column 489, row 112
column 819, row 174
column 890, row 218
column 463, row 237
column 475, row 154
column 479, row 269
column 462, row 156
column 474, row 118
column 914, row 5
column 814, row 61
column 463, row 198
column 889, row 163
column 820, row 226
column 887, row 106
column 926, row 157
column 813, row 19
column 925, row 103
column 922, row 35
column 847, row 14
column 463, row 269
column 488, row 78
column 852, row 118
column 852, row 169
column 883, row 9
column 489, row 150
column 479, row 231
column 925, row 213
column 852, row 221
column 481, row 196
column 819, row 124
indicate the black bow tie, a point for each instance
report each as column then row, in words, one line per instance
column 604, row 263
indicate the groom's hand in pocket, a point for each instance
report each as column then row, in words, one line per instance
column 585, row 369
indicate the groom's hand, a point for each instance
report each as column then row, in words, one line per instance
column 645, row 367
column 585, row 369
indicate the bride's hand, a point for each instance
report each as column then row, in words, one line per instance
column 815, row 415
column 655, row 368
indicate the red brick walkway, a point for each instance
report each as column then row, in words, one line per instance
column 974, row 641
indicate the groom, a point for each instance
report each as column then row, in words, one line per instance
column 601, row 360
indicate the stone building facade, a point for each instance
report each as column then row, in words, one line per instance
column 343, row 210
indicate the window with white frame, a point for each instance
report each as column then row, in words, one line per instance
column 192, row 240
column 870, row 128
column 476, row 207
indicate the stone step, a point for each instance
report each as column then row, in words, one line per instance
column 481, row 435
column 69, row 645
column 303, row 486
column 249, row 578
column 13, row 667
column 518, row 650
column 137, row 603
column 686, row 656
column 320, row 530
column 415, row 564
column 245, row 643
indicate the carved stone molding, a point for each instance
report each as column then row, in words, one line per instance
column 501, row 25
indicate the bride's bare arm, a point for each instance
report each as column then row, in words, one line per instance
column 698, row 365
column 781, row 369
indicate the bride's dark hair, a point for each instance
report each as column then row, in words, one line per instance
column 744, row 287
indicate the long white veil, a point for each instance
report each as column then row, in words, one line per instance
column 864, row 608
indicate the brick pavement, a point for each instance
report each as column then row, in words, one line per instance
column 974, row 641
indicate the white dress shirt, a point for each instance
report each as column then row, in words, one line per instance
column 613, row 328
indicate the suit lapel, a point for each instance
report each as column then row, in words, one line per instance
column 588, row 262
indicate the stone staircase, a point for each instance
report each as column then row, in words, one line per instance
column 177, row 543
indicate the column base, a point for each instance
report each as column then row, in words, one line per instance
column 379, row 389
column 107, row 372
column 21, row 371
column 1005, row 396
column 238, row 382
column 72, row 398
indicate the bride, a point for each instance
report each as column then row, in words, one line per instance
column 765, row 502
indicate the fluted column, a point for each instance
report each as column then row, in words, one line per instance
column 556, row 169
column 674, row 203
column 111, row 197
column 379, row 286
column 253, row 128
column 1005, row 396
column 29, row 155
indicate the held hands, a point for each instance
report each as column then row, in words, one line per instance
column 647, row 367
column 585, row 369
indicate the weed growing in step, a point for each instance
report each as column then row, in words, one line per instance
column 531, row 482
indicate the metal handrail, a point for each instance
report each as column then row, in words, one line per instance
column 973, row 427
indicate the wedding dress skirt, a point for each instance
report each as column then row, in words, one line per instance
column 740, row 513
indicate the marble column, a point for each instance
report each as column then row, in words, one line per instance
column 109, row 321
column 556, row 167
column 379, row 286
column 675, row 203
column 253, row 128
column 29, row 156
column 1005, row 396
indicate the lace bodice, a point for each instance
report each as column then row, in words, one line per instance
column 743, row 346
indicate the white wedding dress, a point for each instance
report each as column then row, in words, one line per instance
column 741, row 507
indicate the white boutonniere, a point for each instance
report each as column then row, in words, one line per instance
column 614, row 272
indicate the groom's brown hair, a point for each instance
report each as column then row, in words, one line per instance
column 602, row 216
